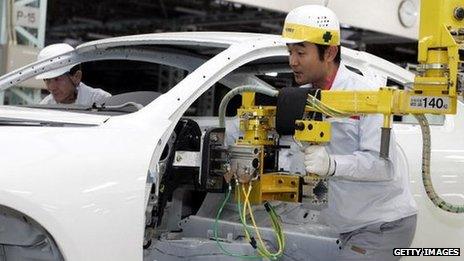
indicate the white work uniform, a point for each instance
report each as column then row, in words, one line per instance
column 86, row 96
column 365, row 188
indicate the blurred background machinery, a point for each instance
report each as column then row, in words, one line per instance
column 28, row 25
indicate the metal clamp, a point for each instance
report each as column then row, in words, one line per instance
column 431, row 66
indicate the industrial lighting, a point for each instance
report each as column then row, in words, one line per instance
column 190, row 11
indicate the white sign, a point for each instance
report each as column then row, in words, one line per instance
column 26, row 16
column 429, row 102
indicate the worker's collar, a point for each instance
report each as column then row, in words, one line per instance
column 339, row 78
column 329, row 80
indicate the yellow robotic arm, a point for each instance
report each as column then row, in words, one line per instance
column 434, row 91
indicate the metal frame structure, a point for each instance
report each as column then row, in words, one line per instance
column 31, row 36
column 34, row 34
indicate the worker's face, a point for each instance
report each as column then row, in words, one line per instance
column 63, row 87
column 305, row 63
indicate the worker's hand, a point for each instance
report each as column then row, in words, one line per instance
column 317, row 161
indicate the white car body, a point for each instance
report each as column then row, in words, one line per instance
column 84, row 178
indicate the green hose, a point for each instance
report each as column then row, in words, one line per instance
column 239, row 90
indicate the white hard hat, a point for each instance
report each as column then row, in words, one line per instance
column 312, row 23
column 52, row 51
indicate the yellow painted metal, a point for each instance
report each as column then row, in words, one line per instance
column 387, row 101
column 439, row 32
column 255, row 123
column 431, row 84
column 248, row 99
column 274, row 186
column 312, row 131
column 436, row 16
column 349, row 101
column 440, row 36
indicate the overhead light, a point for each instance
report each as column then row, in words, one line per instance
column 190, row 11
column 97, row 36
column 273, row 26
column 86, row 20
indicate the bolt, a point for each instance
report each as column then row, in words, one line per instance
column 459, row 13
column 299, row 126
column 178, row 158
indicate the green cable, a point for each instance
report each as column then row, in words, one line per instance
column 277, row 225
column 277, row 230
column 263, row 253
column 245, row 226
column 216, row 223
column 260, row 248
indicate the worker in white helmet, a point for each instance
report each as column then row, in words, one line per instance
column 64, row 84
column 369, row 201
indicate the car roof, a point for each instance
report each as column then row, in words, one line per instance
column 211, row 39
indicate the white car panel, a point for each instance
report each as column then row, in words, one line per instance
column 87, row 185
column 37, row 115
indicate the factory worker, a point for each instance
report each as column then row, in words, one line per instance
column 369, row 201
column 64, row 84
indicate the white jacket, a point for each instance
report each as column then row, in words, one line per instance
column 365, row 189
column 86, row 96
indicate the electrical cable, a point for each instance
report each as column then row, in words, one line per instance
column 426, row 179
column 260, row 248
column 315, row 103
column 216, row 225
column 263, row 247
column 242, row 214
column 245, row 205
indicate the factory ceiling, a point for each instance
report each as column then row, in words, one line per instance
column 82, row 21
